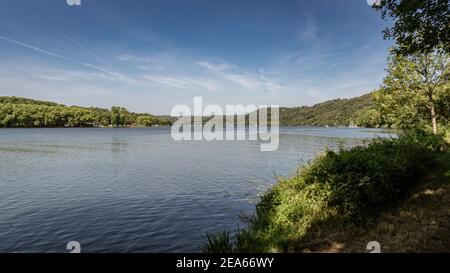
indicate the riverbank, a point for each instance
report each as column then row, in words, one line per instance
column 420, row 224
column 394, row 191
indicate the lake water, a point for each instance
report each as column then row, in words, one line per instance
column 137, row 190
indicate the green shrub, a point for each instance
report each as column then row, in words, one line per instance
column 366, row 180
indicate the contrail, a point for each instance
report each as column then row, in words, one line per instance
column 60, row 56
column 85, row 48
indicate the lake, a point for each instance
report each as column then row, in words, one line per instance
column 138, row 190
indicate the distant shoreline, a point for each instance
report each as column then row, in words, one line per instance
column 130, row 127
column 357, row 112
column 381, row 130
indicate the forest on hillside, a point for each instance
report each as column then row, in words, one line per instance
column 29, row 113
column 359, row 111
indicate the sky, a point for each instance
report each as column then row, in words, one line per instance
column 149, row 56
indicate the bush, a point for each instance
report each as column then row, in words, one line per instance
column 364, row 181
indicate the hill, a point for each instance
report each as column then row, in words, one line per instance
column 338, row 112
column 19, row 100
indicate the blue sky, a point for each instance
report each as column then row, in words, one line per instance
column 151, row 55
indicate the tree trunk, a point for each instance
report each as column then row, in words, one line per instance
column 433, row 119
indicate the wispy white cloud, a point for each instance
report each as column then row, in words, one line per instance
column 168, row 70
column 310, row 28
column 157, row 62
column 55, row 78
column 247, row 80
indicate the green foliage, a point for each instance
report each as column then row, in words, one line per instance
column 163, row 120
column 18, row 100
column 445, row 132
column 363, row 181
column 119, row 116
column 420, row 26
column 338, row 112
column 146, row 121
column 370, row 118
column 341, row 188
column 22, row 112
column 443, row 103
column 416, row 92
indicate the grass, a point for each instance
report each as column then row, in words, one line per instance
column 218, row 243
column 395, row 191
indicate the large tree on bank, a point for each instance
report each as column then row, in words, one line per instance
column 415, row 88
column 419, row 26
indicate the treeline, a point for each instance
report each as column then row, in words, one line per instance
column 388, row 107
column 360, row 111
column 28, row 113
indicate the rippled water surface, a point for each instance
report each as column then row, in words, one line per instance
column 137, row 190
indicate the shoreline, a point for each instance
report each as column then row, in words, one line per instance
column 336, row 204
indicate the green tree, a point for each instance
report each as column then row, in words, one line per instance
column 147, row 121
column 125, row 116
column 9, row 121
column 115, row 116
column 370, row 118
column 413, row 89
column 119, row 116
column 420, row 26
